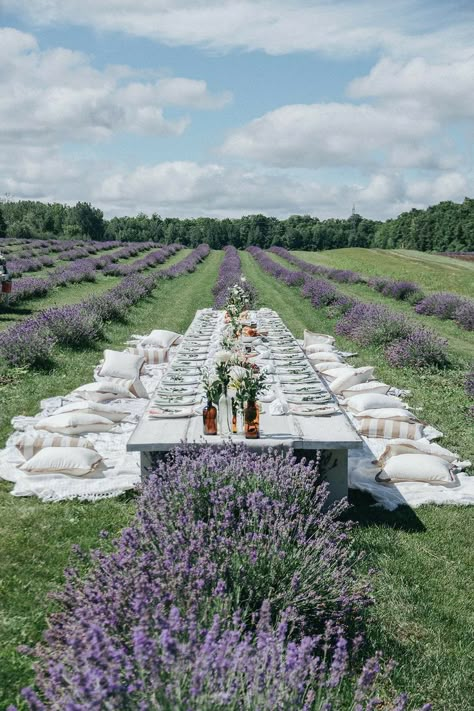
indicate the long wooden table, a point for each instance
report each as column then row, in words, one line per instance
column 333, row 436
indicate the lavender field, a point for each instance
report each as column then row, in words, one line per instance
column 225, row 583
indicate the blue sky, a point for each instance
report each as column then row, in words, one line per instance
column 226, row 108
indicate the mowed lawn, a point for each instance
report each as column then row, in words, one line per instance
column 424, row 611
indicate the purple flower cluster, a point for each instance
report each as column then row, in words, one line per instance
column 288, row 276
column 30, row 343
column 419, row 349
column 319, row 291
column 394, row 289
column 234, row 588
column 446, row 305
column 372, row 324
column 230, row 274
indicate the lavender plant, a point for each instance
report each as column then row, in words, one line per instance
column 233, row 588
column 420, row 348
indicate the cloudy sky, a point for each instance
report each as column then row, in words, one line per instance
column 231, row 107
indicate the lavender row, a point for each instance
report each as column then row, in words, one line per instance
column 404, row 343
column 232, row 588
column 81, row 270
column 150, row 260
column 289, row 276
column 444, row 305
column 32, row 260
column 230, row 274
column 31, row 342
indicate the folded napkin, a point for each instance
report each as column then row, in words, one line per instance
column 156, row 413
column 278, row 407
column 267, row 396
column 314, row 410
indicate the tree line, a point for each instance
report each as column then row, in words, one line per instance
column 447, row 226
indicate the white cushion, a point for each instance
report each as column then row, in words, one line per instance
column 118, row 364
column 93, row 408
column 103, row 390
column 327, row 366
column 75, row 423
column 320, row 348
column 160, row 339
column 310, row 338
column 30, row 444
column 321, row 357
column 388, row 429
column 371, row 387
column 388, row 413
column 358, row 375
column 369, row 401
column 407, row 446
column 416, row 467
column 76, row 461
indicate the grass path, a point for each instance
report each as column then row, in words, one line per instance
column 431, row 271
column 37, row 538
column 72, row 293
column 424, row 612
column 461, row 342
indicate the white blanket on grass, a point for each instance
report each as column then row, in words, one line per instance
column 119, row 471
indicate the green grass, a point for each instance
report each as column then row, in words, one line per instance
column 71, row 293
column 424, row 607
column 37, row 538
column 431, row 271
column 461, row 342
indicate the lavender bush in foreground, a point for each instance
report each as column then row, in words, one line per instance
column 221, row 595
column 28, row 343
column 371, row 324
column 442, row 304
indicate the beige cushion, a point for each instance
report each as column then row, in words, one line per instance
column 93, row 408
column 73, row 423
column 30, row 444
column 407, row 446
column 358, row 375
column 372, row 386
column 417, row 467
column 389, row 429
column 75, row 461
column 369, row 401
column 119, row 364
column 325, row 356
column 136, row 386
column 153, row 356
column 320, row 348
column 160, row 339
column 387, row 413
column 310, row 338
column 104, row 390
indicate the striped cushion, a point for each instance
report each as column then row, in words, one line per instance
column 29, row 445
column 136, row 386
column 153, row 356
column 389, row 429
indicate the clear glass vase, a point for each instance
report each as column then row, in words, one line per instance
column 224, row 415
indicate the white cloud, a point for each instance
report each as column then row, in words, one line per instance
column 57, row 95
column 442, row 90
column 340, row 28
column 317, row 135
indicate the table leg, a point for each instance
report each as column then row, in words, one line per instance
column 334, row 471
column 147, row 461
